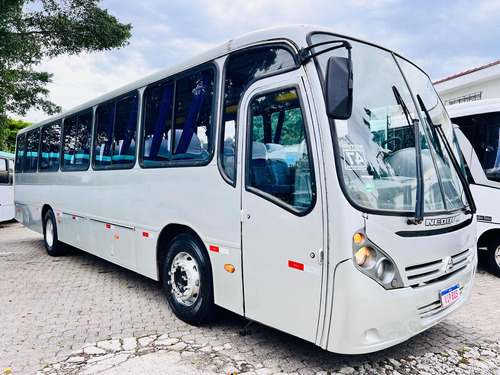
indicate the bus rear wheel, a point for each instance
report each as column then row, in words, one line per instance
column 187, row 280
column 493, row 256
column 52, row 244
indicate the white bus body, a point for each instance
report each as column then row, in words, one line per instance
column 478, row 135
column 6, row 186
column 236, row 189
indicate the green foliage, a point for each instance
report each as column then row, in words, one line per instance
column 293, row 127
column 291, row 133
column 36, row 30
column 8, row 132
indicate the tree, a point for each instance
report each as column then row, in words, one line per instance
column 34, row 30
column 8, row 134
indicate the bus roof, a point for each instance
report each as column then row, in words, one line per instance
column 474, row 108
column 295, row 34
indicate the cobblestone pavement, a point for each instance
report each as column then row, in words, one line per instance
column 78, row 311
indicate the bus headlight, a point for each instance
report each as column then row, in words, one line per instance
column 385, row 270
column 381, row 268
column 375, row 263
column 365, row 257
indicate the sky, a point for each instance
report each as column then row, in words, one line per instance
column 443, row 37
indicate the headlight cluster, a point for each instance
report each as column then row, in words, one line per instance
column 372, row 261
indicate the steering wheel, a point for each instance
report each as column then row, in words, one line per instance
column 397, row 142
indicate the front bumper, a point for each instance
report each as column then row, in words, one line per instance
column 366, row 317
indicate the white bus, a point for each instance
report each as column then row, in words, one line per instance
column 6, row 186
column 478, row 134
column 266, row 177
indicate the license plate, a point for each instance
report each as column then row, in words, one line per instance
column 450, row 295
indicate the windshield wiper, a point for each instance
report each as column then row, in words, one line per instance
column 413, row 125
column 463, row 179
column 406, row 111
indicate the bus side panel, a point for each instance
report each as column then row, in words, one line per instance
column 197, row 198
column 76, row 231
column 114, row 242
column 227, row 285
column 488, row 208
column 6, row 203
column 145, row 252
column 29, row 212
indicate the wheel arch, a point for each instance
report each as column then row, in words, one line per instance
column 168, row 233
column 487, row 236
column 46, row 208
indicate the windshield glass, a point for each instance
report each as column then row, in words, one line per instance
column 434, row 114
column 377, row 152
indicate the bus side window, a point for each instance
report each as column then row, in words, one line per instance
column 116, row 124
column 4, row 172
column 49, row 147
column 189, row 136
column 32, row 148
column 193, row 116
column 76, row 142
column 21, row 143
column 125, row 131
column 157, row 122
column 278, row 155
column 242, row 68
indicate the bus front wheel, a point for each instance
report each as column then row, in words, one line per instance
column 494, row 256
column 52, row 244
column 187, row 280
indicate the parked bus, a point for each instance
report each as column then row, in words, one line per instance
column 267, row 177
column 478, row 134
column 6, row 186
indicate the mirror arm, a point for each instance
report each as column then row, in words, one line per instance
column 305, row 54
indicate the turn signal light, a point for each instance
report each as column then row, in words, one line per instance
column 229, row 268
column 358, row 238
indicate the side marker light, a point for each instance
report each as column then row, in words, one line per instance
column 229, row 268
column 358, row 238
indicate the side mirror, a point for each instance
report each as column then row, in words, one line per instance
column 339, row 88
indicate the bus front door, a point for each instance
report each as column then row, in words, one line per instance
column 282, row 219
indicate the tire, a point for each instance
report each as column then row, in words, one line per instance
column 493, row 256
column 187, row 280
column 52, row 244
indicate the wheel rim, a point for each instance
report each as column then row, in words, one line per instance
column 49, row 233
column 184, row 279
column 496, row 256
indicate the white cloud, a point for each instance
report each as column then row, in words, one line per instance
column 78, row 79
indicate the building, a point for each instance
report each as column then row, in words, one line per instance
column 474, row 84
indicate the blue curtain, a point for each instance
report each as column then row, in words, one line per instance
column 131, row 125
column 194, row 111
column 109, row 134
column 161, row 123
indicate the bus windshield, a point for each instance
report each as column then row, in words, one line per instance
column 434, row 116
column 377, row 149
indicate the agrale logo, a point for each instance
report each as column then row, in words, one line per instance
column 448, row 264
column 441, row 221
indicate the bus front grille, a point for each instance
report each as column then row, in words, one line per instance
column 434, row 307
column 440, row 269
